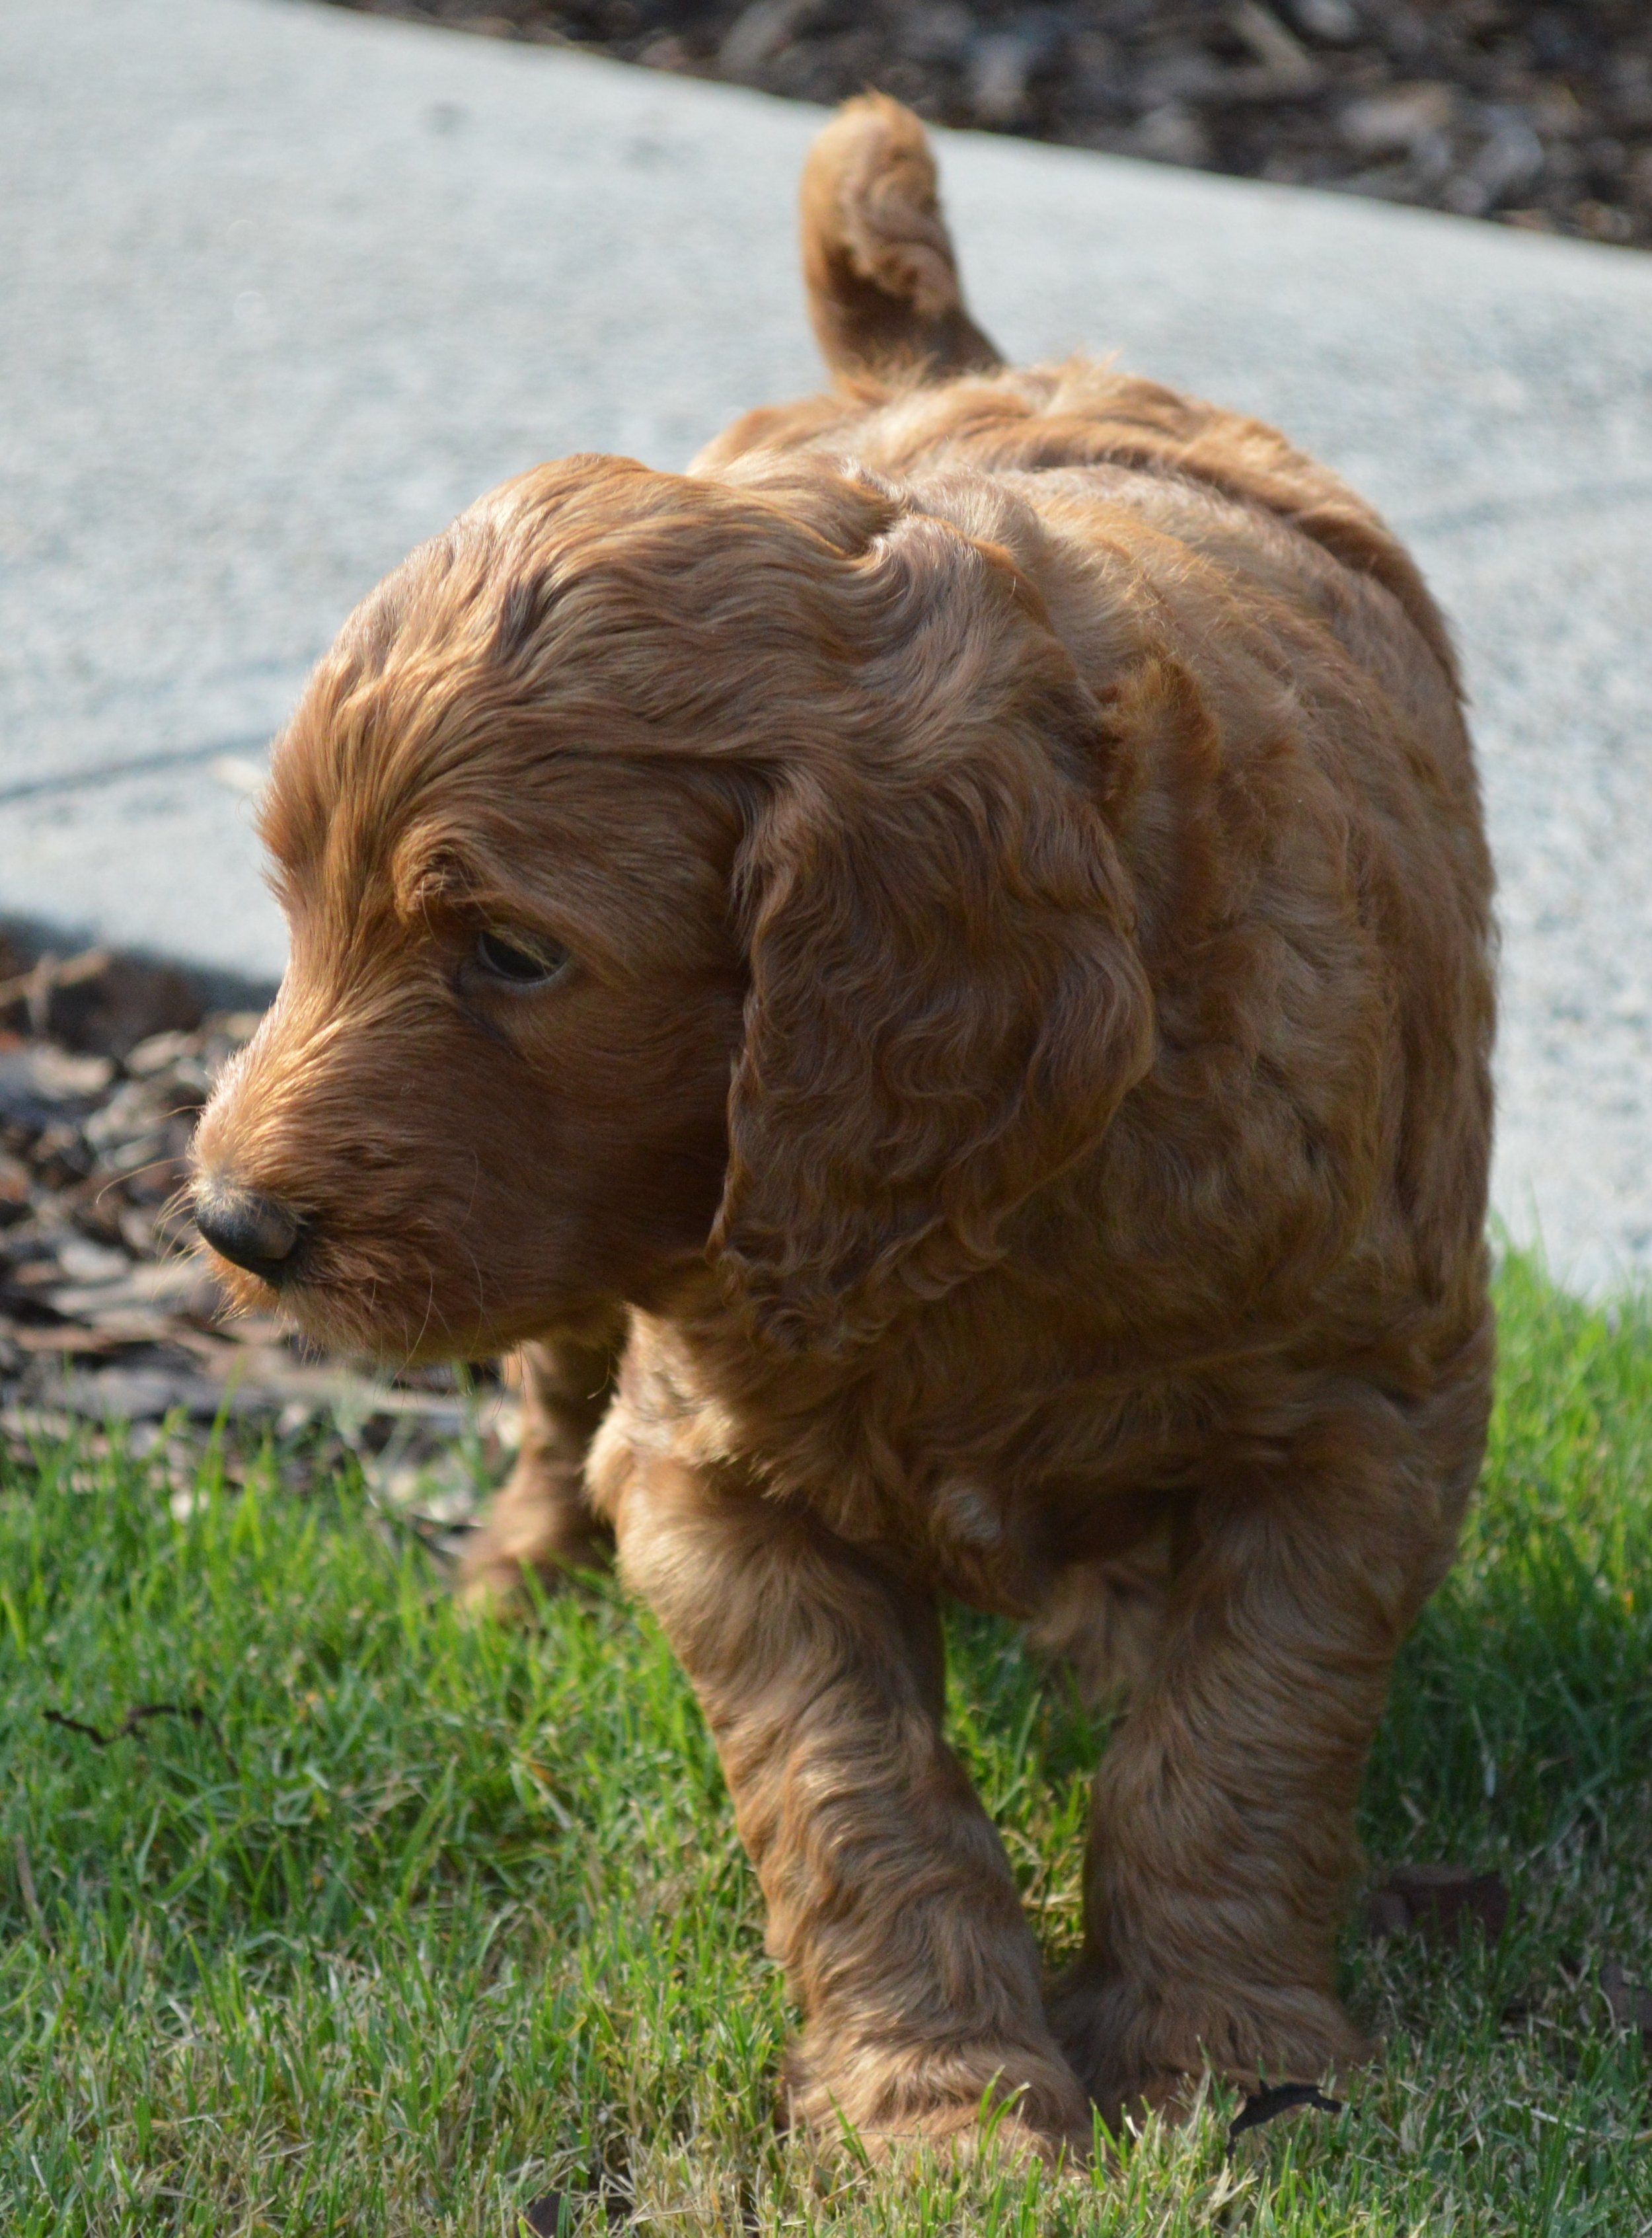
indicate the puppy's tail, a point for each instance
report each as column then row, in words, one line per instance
column 883, row 290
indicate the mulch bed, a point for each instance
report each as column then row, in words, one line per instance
column 108, row 1315
column 1536, row 115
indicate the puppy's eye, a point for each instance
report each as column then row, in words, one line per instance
column 518, row 965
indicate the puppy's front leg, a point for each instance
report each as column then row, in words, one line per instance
column 1222, row 1835
column 890, row 1901
column 539, row 1518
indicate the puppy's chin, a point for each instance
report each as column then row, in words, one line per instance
column 366, row 1319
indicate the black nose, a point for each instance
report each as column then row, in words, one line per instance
column 259, row 1233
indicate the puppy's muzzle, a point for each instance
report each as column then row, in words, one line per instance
column 257, row 1232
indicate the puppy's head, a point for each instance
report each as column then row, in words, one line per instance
column 683, row 875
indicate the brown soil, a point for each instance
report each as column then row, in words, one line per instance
column 1536, row 115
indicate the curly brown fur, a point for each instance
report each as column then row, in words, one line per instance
column 1021, row 1081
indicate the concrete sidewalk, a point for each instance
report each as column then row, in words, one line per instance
column 285, row 288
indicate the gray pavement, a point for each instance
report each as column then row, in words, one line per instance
column 282, row 289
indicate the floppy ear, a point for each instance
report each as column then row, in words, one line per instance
column 946, row 1003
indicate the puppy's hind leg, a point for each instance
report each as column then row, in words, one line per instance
column 883, row 290
column 540, row 1519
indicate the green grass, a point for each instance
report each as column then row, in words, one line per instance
column 462, row 1919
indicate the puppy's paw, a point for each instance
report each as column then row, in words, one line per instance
column 538, row 1528
column 971, row 2100
column 1143, row 2049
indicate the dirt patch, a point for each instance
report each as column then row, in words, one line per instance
column 1533, row 116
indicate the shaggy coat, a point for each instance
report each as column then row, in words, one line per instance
column 936, row 970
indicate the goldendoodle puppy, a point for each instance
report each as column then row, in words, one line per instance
column 937, row 966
